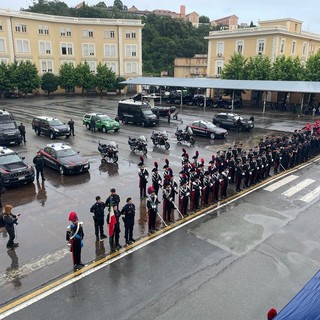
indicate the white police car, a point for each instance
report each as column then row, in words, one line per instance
column 61, row 157
column 13, row 169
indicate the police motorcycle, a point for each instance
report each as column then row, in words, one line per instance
column 108, row 152
column 138, row 145
column 160, row 139
column 185, row 136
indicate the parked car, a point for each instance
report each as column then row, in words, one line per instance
column 61, row 157
column 9, row 132
column 13, row 169
column 207, row 129
column 51, row 127
column 232, row 120
column 103, row 122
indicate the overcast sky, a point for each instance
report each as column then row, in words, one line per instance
column 307, row 11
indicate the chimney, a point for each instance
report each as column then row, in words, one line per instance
column 182, row 10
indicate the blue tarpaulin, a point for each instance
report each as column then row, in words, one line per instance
column 306, row 304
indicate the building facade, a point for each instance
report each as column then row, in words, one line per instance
column 272, row 38
column 50, row 41
column 230, row 22
column 195, row 67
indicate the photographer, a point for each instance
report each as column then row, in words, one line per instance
column 9, row 221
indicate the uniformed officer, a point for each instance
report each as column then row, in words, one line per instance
column 143, row 178
column 39, row 164
column 128, row 211
column 98, row 216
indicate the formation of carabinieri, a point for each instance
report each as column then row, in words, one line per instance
column 202, row 183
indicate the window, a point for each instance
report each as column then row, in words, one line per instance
column 68, row 31
column 109, row 34
column 92, row 66
column 111, row 65
column 109, row 50
column 131, row 50
column 45, row 47
column 131, row 67
column 43, row 29
column 46, row 66
column 21, row 28
column 130, row 34
column 4, row 60
column 67, row 49
column 220, row 48
column 62, row 32
column 2, row 45
column 261, row 44
column 282, row 46
column 304, row 49
column 88, row 49
column 67, row 62
column 87, row 33
column 22, row 46
column 0, row 26
column 293, row 47
column 239, row 46
column 218, row 68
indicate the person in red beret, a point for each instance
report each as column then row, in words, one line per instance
column 272, row 313
column 74, row 237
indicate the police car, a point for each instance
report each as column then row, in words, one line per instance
column 13, row 169
column 61, row 157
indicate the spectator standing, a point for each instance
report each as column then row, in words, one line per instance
column 38, row 162
column 113, row 199
column 75, row 236
column 71, row 125
column 93, row 124
column 22, row 130
column 169, row 116
column 10, row 220
column 98, row 216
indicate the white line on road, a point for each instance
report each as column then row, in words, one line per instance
column 311, row 195
column 290, row 192
column 280, row 183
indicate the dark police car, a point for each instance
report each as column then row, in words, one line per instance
column 62, row 157
column 9, row 132
column 13, row 169
column 207, row 129
column 51, row 127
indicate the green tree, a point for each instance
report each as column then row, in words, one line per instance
column 27, row 74
column 67, row 78
column 118, row 4
column 5, row 79
column 312, row 69
column 204, row 19
column 84, row 78
column 49, row 82
column 287, row 69
column 118, row 85
column 258, row 68
column 55, row 7
column 105, row 78
column 235, row 69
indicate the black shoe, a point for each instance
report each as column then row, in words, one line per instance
column 81, row 264
column 118, row 246
column 103, row 236
column 133, row 240
column 44, row 179
column 14, row 245
column 97, row 239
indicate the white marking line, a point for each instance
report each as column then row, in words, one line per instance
column 311, row 195
column 65, row 284
column 280, row 183
column 290, row 192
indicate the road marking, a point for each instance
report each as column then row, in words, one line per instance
column 290, row 192
column 280, row 183
column 311, row 195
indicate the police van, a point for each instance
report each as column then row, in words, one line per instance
column 136, row 112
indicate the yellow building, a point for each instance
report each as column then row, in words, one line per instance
column 194, row 67
column 50, row 41
column 272, row 38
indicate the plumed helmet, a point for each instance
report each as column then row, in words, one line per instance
column 141, row 163
column 151, row 189
column 73, row 216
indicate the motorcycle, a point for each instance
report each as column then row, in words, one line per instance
column 108, row 152
column 160, row 139
column 138, row 145
column 185, row 136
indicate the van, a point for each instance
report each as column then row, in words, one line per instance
column 9, row 132
column 136, row 112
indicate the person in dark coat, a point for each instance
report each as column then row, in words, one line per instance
column 113, row 199
column 93, row 124
column 39, row 164
column 22, row 130
column 10, row 220
column 74, row 237
column 71, row 125
column 98, row 217
column 128, row 211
